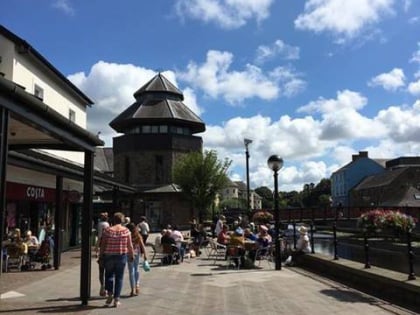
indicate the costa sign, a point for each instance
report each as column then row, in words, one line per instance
column 16, row 191
column 35, row 192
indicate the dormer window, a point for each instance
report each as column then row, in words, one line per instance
column 39, row 92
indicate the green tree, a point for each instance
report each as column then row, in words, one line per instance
column 201, row 176
column 233, row 203
column 267, row 197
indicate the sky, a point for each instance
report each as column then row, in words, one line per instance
column 312, row 81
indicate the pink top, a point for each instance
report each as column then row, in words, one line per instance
column 116, row 242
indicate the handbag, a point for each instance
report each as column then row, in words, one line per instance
column 146, row 266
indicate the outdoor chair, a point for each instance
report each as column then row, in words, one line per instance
column 234, row 254
column 217, row 251
column 155, row 253
column 15, row 257
column 264, row 254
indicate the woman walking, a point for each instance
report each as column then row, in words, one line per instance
column 133, row 266
column 116, row 249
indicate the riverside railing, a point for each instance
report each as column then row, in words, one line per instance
column 362, row 240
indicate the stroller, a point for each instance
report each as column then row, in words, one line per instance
column 43, row 255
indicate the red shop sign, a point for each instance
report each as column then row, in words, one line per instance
column 15, row 191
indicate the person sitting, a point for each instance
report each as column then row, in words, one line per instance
column 169, row 247
column 249, row 235
column 179, row 242
column 263, row 238
column 200, row 239
column 223, row 236
column 303, row 246
column 31, row 240
column 236, row 246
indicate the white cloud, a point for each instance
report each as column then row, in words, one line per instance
column 401, row 123
column 278, row 48
column 416, row 55
column 342, row 17
column 111, row 86
column 216, row 79
column 341, row 119
column 390, row 81
column 63, row 5
column 345, row 100
column 227, row 14
column 302, row 143
column 414, row 88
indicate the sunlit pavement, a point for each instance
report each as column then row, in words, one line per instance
column 197, row 286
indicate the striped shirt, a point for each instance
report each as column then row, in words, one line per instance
column 116, row 242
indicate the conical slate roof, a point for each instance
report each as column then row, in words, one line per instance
column 158, row 102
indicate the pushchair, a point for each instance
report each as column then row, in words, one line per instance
column 43, row 255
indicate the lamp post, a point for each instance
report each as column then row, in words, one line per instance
column 276, row 163
column 247, row 142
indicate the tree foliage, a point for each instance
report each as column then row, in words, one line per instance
column 201, row 176
column 267, row 197
column 311, row 196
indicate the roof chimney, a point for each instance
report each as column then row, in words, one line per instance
column 362, row 154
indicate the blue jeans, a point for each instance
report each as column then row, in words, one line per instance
column 133, row 271
column 114, row 272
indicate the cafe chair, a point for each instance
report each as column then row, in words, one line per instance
column 155, row 253
column 234, row 255
column 264, row 253
column 15, row 257
column 217, row 251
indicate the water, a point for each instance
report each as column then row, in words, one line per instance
column 396, row 260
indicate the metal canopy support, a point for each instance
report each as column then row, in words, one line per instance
column 58, row 221
column 4, row 126
column 87, row 217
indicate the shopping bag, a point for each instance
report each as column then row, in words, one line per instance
column 146, row 266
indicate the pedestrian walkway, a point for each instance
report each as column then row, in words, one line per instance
column 196, row 286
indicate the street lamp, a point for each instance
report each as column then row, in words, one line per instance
column 276, row 163
column 247, row 142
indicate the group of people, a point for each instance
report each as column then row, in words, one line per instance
column 171, row 241
column 28, row 247
column 263, row 238
column 121, row 243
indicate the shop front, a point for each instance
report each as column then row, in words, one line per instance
column 30, row 207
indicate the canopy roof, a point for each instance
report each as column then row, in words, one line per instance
column 158, row 102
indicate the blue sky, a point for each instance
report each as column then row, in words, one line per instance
column 313, row 81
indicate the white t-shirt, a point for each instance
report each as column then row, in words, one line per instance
column 144, row 228
column 102, row 225
column 303, row 243
column 219, row 227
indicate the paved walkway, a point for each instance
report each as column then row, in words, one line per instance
column 195, row 287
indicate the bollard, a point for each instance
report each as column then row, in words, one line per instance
column 411, row 275
column 367, row 262
column 294, row 234
column 335, row 240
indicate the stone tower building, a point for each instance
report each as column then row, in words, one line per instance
column 156, row 130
